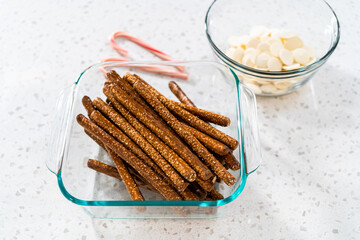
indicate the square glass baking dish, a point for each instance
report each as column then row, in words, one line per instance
column 211, row 86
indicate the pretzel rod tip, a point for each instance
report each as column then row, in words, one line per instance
column 179, row 93
column 86, row 101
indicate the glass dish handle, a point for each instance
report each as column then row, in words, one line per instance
column 250, row 132
column 59, row 130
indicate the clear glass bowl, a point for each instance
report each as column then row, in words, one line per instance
column 211, row 86
column 313, row 20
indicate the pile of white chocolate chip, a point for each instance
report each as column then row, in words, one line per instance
column 270, row 50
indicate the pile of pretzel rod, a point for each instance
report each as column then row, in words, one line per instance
column 158, row 144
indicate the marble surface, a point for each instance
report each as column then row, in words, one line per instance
column 306, row 188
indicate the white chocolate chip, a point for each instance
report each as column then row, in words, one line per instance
column 235, row 53
column 286, row 56
column 248, row 60
column 252, row 43
column 264, row 38
column 293, row 43
column 301, row 56
column 268, row 88
column 291, row 67
column 262, row 60
column 273, row 40
column 253, row 52
column 270, row 50
column 275, row 33
column 275, row 48
column 283, row 33
column 257, row 31
column 264, row 46
column 274, row 64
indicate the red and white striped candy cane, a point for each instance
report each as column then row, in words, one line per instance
column 154, row 69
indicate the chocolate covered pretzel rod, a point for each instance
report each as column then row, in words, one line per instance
column 215, row 165
column 101, row 144
column 178, row 163
column 179, row 93
column 126, row 127
column 209, row 142
column 105, row 124
column 113, row 172
column 115, row 132
column 190, row 118
column 124, row 173
column 198, row 190
column 107, row 168
column 91, row 135
column 124, row 84
column 215, row 195
column 187, row 194
column 178, row 146
column 200, row 113
column 205, row 115
column 198, row 123
column 114, row 77
column 109, row 127
column 145, row 171
column 86, row 101
column 206, row 185
column 231, row 161
column 103, row 168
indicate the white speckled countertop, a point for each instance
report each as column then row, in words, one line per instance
column 306, row 188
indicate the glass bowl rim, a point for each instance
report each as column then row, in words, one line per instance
column 303, row 69
column 165, row 203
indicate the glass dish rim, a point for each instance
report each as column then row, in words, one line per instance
column 164, row 203
column 303, row 69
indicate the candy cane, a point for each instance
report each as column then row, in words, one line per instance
column 155, row 69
